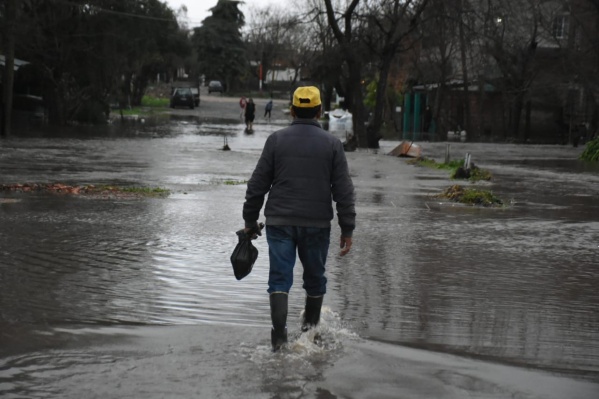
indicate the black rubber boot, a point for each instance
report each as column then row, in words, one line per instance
column 312, row 312
column 278, row 314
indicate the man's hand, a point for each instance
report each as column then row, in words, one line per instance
column 345, row 245
column 254, row 231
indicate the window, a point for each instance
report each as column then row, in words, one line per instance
column 560, row 27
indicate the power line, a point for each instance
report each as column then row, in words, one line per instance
column 121, row 13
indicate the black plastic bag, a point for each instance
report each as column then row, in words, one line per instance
column 244, row 255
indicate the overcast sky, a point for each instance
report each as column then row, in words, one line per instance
column 197, row 10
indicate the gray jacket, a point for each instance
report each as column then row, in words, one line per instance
column 303, row 169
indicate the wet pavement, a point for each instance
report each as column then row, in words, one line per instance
column 109, row 297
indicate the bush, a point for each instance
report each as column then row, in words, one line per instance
column 471, row 196
column 454, row 166
column 591, row 152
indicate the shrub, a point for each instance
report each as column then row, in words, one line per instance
column 591, row 151
column 470, row 196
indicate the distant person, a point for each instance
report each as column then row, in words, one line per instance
column 242, row 104
column 250, row 114
column 428, row 117
column 303, row 169
column 268, row 109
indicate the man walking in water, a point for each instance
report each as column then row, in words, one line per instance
column 250, row 113
column 303, row 169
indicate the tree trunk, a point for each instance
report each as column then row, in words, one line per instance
column 357, row 104
column 9, row 72
column 466, row 83
column 439, row 121
column 517, row 115
column 140, row 83
column 125, row 98
column 527, row 121
column 354, row 64
column 327, row 97
column 374, row 127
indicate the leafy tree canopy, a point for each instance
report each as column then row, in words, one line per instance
column 84, row 48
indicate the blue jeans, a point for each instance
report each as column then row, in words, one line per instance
column 312, row 246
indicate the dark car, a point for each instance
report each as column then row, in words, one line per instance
column 215, row 86
column 182, row 97
column 195, row 91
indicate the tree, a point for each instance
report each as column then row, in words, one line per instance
column 326, row 62
column 438, row 50
column 390, row 25
column 353, row 55
column 269, row 38
column 85, row 50
column 219, row 44
column 380, row 29
column 575, row 30
column 512, row 30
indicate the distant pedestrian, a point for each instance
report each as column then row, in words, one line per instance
column 428, row 117
column 268, row 109
column 250, row 113
column 242, row 103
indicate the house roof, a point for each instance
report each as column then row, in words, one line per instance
column 18, row 63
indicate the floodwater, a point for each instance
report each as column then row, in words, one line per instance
column 121, row 298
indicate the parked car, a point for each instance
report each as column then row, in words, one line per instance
column 182, row 97
column 215, row 86
column 195, row 92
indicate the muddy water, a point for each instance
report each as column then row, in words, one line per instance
column 516, row 285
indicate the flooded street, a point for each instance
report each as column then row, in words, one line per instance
column 434, row 301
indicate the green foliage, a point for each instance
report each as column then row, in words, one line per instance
column 477, row 174
column 591, row 151
column 82, row 51
column 150, row 106
column 470, row 196
column 148, row 101
column 431, row 163
column 370, row 98
column 89, row 190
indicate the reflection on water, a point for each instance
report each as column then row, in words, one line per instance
column 516, row 284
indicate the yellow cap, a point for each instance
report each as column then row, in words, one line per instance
column 306, row 97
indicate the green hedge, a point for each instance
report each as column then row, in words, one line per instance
column 591, row 152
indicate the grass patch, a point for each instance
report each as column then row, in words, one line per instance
column 145, row 191
column 431, row 163
column 471, row 196
column 90, row 190
column 156, row 102
column 476, row 174
column 149, row 105
column 234, row 182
